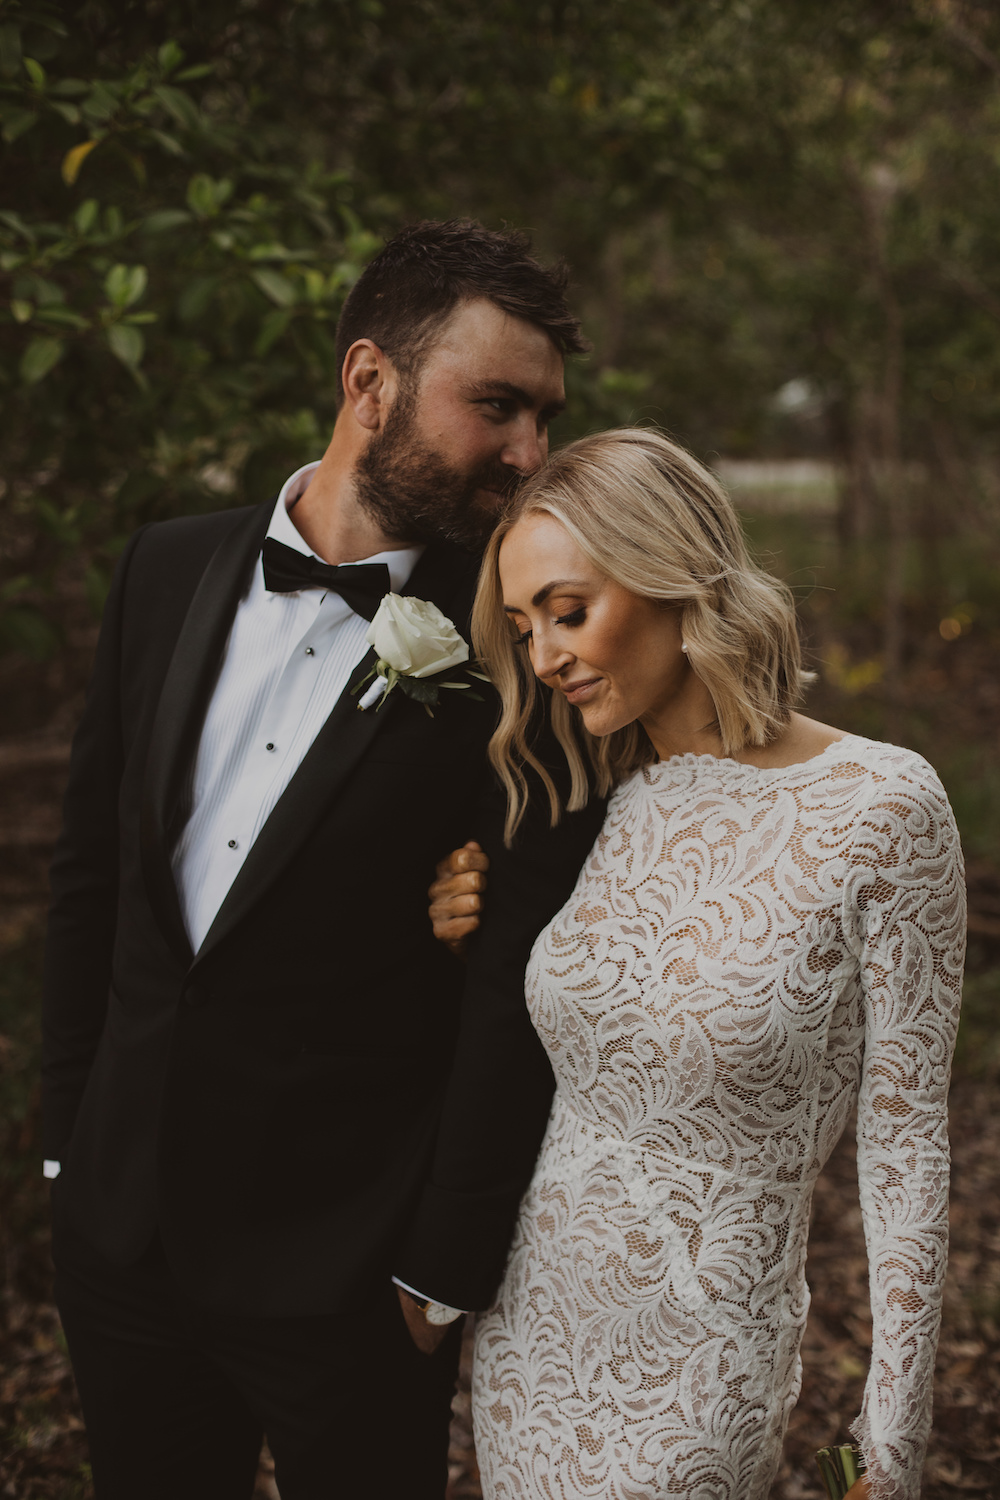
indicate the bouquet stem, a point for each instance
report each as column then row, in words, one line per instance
column 839, row 1468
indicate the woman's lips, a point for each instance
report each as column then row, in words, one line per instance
column 579, row 692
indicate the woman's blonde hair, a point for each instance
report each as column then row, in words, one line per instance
column 649, row 516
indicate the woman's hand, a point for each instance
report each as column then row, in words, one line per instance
column 456, row 895
column 859, row 1489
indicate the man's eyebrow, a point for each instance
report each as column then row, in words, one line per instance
column 543, row 593
column 516, row 393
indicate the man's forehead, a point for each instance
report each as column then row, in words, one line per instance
column 478, row 328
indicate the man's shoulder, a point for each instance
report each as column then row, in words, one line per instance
column 198, row 533
column 448, row 575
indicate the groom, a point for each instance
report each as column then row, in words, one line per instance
column 266, row 1096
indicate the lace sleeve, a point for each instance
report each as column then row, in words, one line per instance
column 905, row 906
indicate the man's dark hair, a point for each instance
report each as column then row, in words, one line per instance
column 404, row 296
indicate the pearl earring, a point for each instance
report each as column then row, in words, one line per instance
column 684, row 646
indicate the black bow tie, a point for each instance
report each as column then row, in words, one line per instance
column 362, row 586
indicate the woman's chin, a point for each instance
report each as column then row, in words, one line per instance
column 600, row 723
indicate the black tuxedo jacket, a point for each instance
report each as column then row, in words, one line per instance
column 322, row 1094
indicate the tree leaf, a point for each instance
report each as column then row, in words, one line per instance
column 201, row 195
column 272, row 326
column 124, row 285
column 14, row 221
column 74, row 160
column 178, row 105
column 275, row 286
column 69, row 112
column 47, row 293
column 86, row 216
column 41, row 355
column 100, row 104
column 22, row 310
column 167, row 142
column 35, row 72
column 27, row 630
column 169, row 57
column 62, row 315
column 10, row 50
column 126, row 343
column 164, row 219
column 17, row 123
column 206, row 196
column 196, row 297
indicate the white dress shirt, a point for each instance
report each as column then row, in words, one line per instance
column 287, row 661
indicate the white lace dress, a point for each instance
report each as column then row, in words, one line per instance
column 746, row 954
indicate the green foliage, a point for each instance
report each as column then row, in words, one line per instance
column 142, row 368
column 757, row 198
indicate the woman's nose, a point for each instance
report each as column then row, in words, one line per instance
column 548, row 658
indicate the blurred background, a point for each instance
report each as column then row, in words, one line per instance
column 782, row 219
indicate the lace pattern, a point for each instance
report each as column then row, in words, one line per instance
column 746, row 955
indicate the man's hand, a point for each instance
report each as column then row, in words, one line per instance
column 456, row 895
column 425, row 1335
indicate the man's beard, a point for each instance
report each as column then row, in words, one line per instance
column 415, row 495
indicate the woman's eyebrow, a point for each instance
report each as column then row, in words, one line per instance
column 543, row 593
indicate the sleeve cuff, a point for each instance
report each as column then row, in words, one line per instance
column 437, row 1313
column 460, row 1241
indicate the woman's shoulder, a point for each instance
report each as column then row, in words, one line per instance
column 904, row 822
column 891, row 768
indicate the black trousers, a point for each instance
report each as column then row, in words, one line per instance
column 177, row 1398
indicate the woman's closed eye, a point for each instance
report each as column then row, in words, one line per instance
column 575, row 617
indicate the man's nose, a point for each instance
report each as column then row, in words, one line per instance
column 526, row 448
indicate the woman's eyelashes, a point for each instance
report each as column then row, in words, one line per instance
column 575, row 617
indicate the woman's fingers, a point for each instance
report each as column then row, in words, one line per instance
column 460, row 861
column 468, row 884
column 456, row 895
column 454, row 918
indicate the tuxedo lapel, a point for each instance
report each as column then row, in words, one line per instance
column 333, row 755
column 187, row 689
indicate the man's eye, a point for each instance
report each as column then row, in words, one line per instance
column 577, row 617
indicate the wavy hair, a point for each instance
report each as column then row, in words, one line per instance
column 648, row 515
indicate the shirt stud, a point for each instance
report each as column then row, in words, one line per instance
column 233, row 844
column 269, row 745
column 310, row 651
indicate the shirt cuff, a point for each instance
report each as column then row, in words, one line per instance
column 51, row 1168
column 437, row 1313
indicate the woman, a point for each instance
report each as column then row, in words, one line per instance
column 768, row 930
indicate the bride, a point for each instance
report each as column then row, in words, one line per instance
column 768, row 931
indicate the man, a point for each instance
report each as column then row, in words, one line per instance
column 267, row 1093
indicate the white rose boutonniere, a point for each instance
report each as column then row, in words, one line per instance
column 416, row 643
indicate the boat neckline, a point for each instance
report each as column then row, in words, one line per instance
column 690, row 760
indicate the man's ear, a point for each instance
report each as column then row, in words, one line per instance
column 369, row 381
